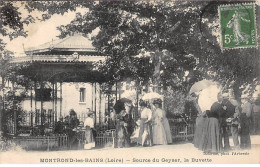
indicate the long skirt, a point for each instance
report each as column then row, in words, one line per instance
column 198, row 131
column 159, row 133
column 121, row 134
column 245, row 141
column 145, row 135
column 167, row 129
column 89, row 138
column 210, row 140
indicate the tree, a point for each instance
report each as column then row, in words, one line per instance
column 177, row 38
column 167, row 38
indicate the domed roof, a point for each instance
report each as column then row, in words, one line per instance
column 75, row 43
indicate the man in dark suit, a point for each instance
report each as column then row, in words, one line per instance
column 223, row 115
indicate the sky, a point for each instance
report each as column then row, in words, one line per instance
column 40, row 32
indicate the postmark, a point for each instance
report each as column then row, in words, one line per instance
column 238, row 26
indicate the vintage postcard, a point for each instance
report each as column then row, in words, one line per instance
column 129, row 82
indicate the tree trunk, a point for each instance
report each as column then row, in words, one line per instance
column 156, row 80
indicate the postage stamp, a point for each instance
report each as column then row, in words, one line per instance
column 238, row 26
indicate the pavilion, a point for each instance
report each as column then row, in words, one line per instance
column 63, row 75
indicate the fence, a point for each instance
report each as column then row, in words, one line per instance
column 106, row 138
column 180, row 132
column 57, row 142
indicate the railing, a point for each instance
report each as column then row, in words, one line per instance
column 182, row 131
column 57, row 142
column 106, row 138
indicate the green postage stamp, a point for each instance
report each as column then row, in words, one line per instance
column 238, row 25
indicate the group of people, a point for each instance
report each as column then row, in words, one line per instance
column 211, row 133
column 151, row 128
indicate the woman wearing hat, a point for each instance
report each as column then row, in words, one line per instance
column 89, row 137
column 160, row 127
column 145, row 137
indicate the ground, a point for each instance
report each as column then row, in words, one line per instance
column 174, row 154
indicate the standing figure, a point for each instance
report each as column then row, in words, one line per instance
column 124, row 122
column 89, row 137
column 256, row 116
column 211, row 138
column 165, row 122
column 235, row 126
column 145, row 136
column 159, row 132
column 245, row 121
column 200, row 118
column 228, row 112
column 130, row 122
column 72, row 122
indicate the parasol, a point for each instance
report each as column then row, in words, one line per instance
column 129, row 94
column 207, row 97
column 200, row 85
column 152, row 95
column 120, row 104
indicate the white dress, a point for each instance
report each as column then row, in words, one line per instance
column 89, row 138
column 158, row 132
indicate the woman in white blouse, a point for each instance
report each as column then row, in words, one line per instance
column 89, row 125
column 145, row 137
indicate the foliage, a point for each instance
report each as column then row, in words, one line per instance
column 183, row 35
column 149, row 41
column 174, row 101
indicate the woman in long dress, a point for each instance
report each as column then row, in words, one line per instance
column 124, row 122
column 165, row 122
column 159, row 131
column 211, row 138
column 89, row 137
column 145, row 136
column 199, row 120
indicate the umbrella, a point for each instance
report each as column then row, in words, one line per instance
column 200, row 85
column 151, row 96
column 207, row 97
column 129, row 94
column 120, row 104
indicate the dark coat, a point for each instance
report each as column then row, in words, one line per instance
column 218, row 112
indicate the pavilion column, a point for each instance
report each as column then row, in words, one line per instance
column 53, row 101
column 42, row 114
column 31, row 103
column 55, row 104
column 95, row 103
column 35, row 105
column 15, row 112
column 100, row 118
column 60, row 99
column 92, row 89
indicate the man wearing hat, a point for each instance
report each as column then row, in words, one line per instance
column 232, row 112
column 223, row 108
